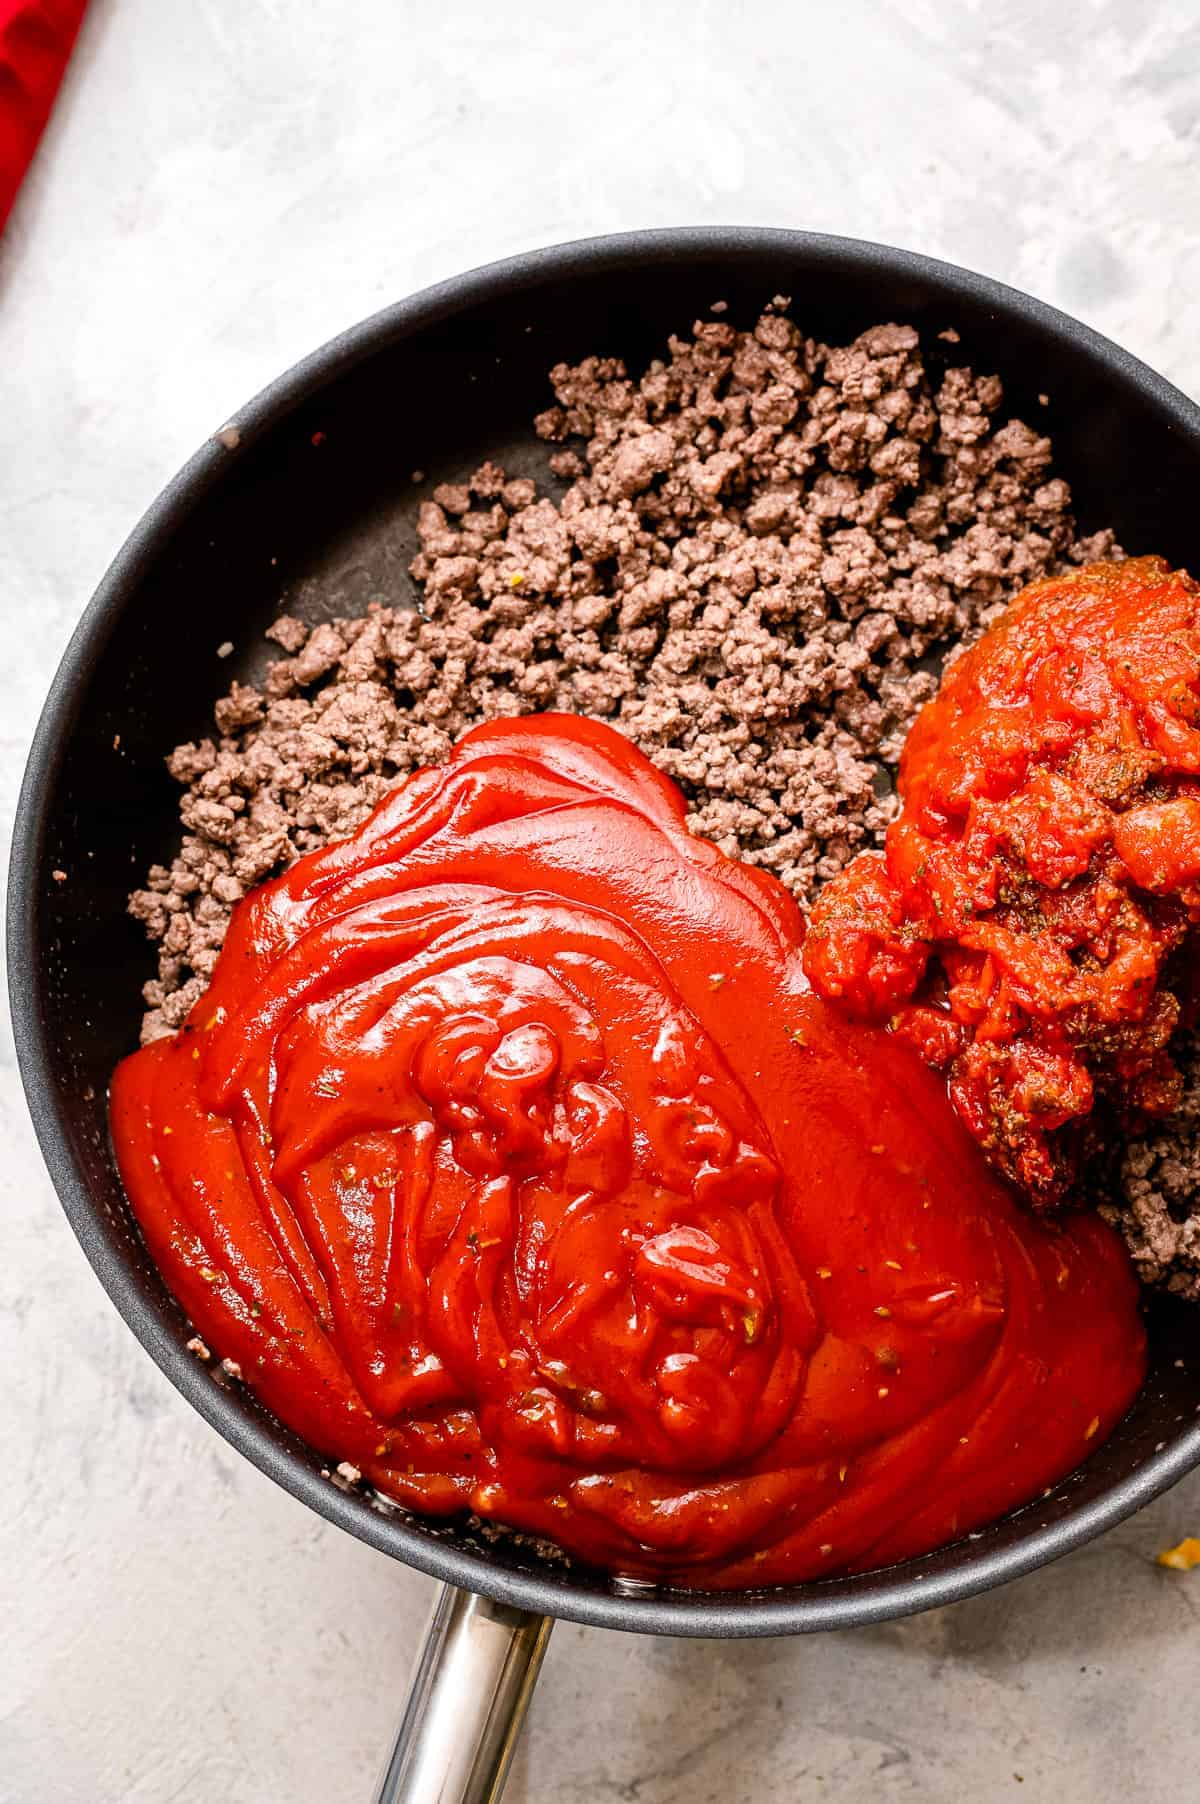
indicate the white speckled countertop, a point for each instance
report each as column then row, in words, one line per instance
column 227, row 183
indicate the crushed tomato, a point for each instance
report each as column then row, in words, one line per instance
column 1024, row 925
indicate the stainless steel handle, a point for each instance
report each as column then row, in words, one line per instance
column 475, row 1675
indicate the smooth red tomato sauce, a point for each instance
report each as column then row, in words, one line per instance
column 513, row 1161
column 1024, row 925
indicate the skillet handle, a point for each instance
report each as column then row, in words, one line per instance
column 474, row 1678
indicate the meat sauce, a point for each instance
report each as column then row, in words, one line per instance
column 514, row 1162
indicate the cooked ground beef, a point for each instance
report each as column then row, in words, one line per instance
column 1154, row 1188
column 764, row 548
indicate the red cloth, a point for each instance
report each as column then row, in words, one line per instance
column 36, row 37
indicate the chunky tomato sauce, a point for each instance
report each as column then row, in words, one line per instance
column 511, row 1158
column 1024, row 925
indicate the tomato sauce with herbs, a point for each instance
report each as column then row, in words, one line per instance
column 1025, row 927
column 513, row 1161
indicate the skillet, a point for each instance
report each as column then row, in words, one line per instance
column 306, row 492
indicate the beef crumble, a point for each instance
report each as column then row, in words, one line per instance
column 1153, row 1186
column 761, row 552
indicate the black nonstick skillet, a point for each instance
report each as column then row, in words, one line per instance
column 438, row 382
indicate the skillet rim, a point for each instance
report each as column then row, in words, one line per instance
column 904, row 1589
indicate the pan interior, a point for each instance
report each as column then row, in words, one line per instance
column 313, row 508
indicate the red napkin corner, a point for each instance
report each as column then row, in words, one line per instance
column 36, row 39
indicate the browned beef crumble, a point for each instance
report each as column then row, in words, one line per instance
column 1154, row 1185
column 764, row 548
